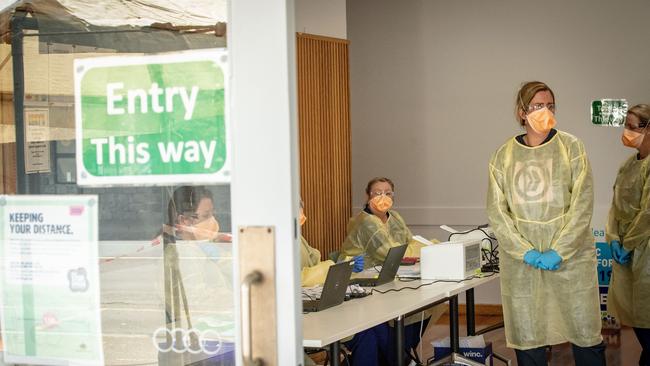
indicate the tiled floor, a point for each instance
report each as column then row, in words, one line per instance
column 623, row 348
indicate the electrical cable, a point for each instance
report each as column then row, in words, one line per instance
column 489, row 256
column 310, row 298
column 345, row 356
column 419, row 352
column 431, row 283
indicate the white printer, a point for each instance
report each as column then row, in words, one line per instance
column 455, row 260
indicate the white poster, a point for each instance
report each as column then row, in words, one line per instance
column 37, row 140
column 50, row 280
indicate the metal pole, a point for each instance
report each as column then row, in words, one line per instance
column 399, row 341
column 335, row 351
column 453, row 324
column 470, row 314
column 22, row 185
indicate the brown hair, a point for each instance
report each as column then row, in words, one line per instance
column 642, row 111
column 379, row 179
column 526, row 94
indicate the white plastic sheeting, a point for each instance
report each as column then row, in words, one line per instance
column 140, row 13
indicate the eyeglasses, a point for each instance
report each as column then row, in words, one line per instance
column 538, row 106
column 200, row 217
column 379, row 193
column 641, row 126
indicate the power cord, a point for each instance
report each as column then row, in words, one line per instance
column 372, row 290
column 490, row 256
column 419, row 351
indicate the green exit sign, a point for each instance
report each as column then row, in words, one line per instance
column 608, row 112
column 152, row 120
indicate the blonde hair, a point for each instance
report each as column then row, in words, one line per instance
column 526, row 94
column 642, row 111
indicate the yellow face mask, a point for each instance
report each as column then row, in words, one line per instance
column 541, row 120
column 381, row 203
column 632, row 139
column 204, row 230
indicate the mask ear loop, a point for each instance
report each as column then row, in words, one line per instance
column 645, row 128
column 521, row 107
column 645, row 131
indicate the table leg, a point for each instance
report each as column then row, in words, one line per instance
column 469, row 310
column 453, row 324
column 399, row 340
column 335, row 352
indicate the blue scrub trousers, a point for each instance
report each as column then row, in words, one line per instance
column 371, row 347
column 583, row 356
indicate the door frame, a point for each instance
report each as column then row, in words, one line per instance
column 265, row 185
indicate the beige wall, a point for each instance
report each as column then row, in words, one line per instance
column 433, row 85
column 321, row 17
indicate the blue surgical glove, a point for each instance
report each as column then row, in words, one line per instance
column 625, row 255
column 531, row 257
column 358, row 263
column 549, row 260
column 616, row 247
column 619, row 253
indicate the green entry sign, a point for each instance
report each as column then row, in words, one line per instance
column 608, row 112
column 152, row 120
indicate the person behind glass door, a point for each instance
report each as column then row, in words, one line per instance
column 192, row 216
column 628, row 232
column 540, row 202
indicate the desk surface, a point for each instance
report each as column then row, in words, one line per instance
column 473, row 283
column 336, row 323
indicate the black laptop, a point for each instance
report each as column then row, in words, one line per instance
column 336, row 283
column 388, row 269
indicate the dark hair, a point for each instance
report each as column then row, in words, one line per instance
column 185, row 200
column 379, row 179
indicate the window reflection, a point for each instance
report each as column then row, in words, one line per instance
column 164, row 298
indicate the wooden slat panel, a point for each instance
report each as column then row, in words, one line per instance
column 324, row 135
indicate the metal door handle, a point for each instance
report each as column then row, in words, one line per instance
column 246, row 326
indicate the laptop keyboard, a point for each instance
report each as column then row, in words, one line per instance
column 365, row 282
column 310, row 306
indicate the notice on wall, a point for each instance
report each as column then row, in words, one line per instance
column 608, row 112
column 37, row 140
column 605, row 260
column 604, row 257
column 50, row 280
column 152, row 120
